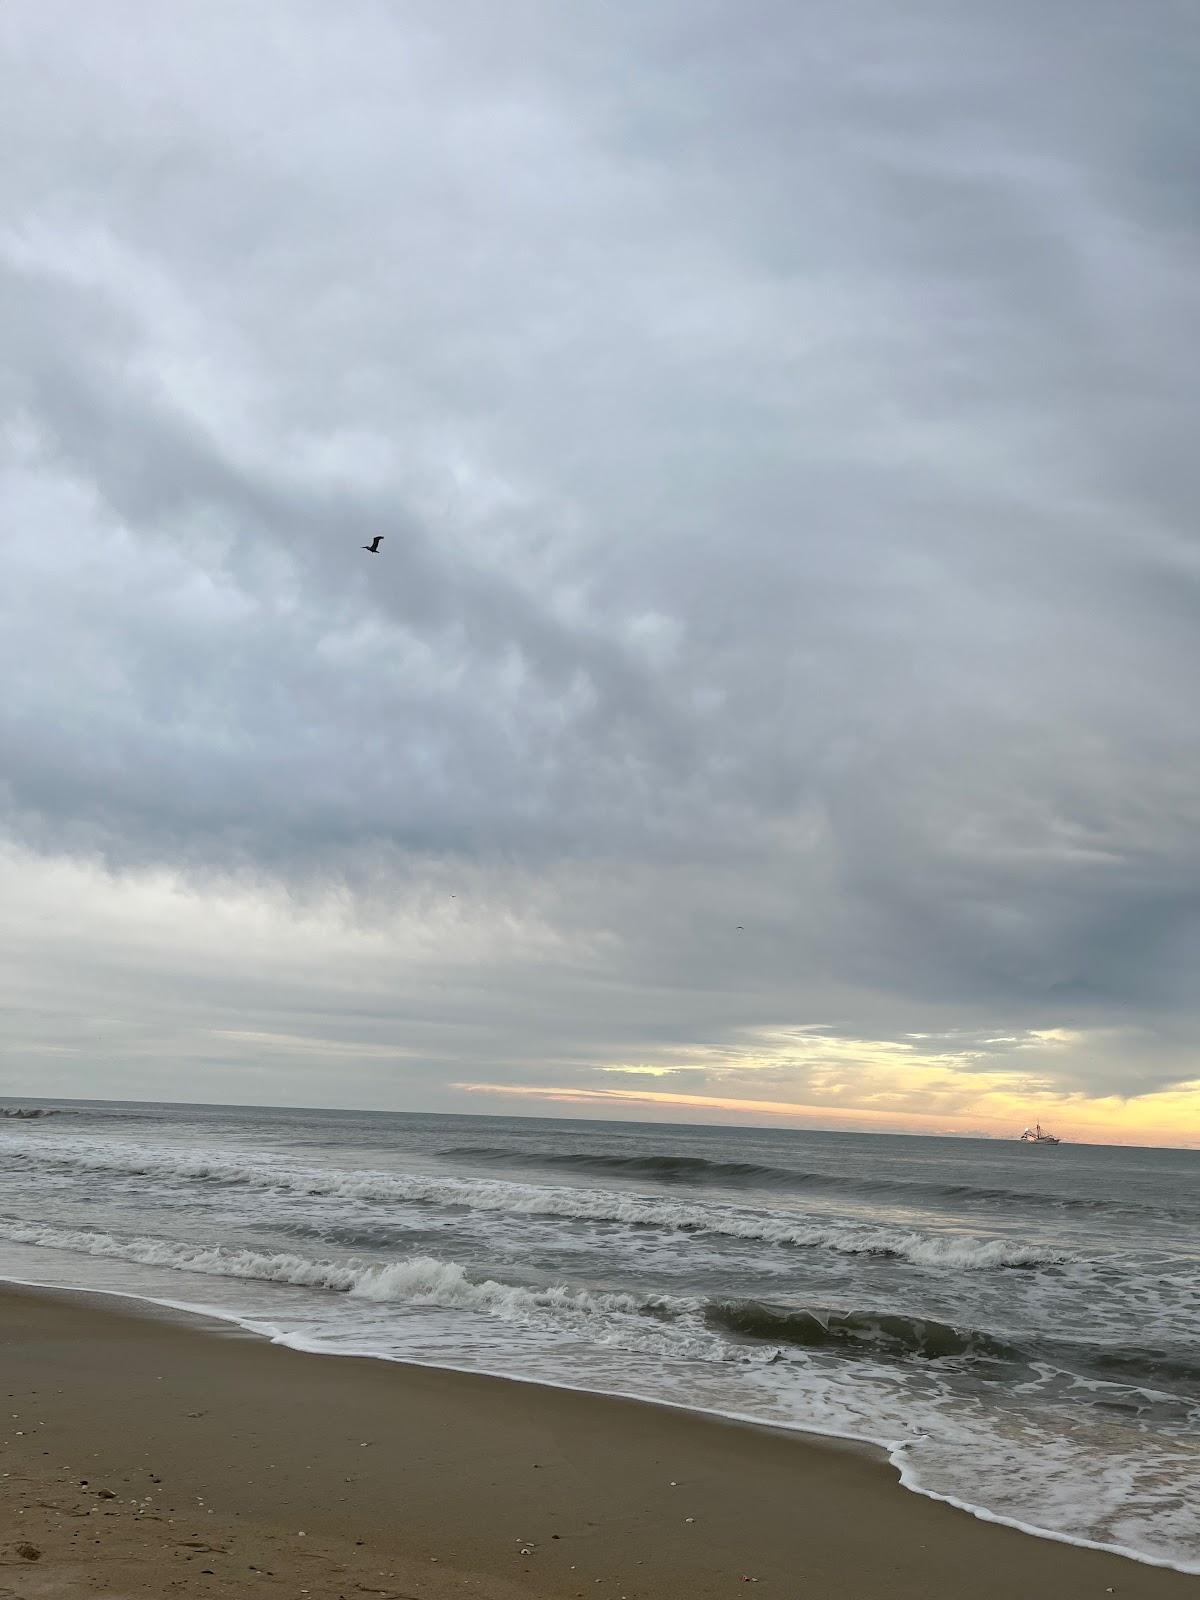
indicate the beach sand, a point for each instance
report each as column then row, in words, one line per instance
column 149, row 1453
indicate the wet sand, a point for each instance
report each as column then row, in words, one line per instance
column 147, row 1453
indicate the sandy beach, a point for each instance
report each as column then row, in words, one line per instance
column 149, row 1453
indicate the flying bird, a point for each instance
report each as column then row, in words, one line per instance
column 373, row 547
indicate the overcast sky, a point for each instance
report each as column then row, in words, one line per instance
column 778, row 686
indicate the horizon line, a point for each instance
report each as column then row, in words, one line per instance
column 496, row 1116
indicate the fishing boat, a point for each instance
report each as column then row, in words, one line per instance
column 1035, row 1135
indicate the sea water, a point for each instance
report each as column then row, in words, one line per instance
column 1019, row 1327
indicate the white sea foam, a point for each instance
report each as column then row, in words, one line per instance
column 421, row 1280
column 961, row 1252
column 662, row 1325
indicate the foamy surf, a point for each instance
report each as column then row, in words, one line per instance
column 967, row 1253
column 421, row 1280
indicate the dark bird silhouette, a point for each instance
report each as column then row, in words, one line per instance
column 373, row 547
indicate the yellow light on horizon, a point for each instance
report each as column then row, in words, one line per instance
column 1100, row 1121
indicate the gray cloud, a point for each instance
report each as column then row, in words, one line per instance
column 779, row 419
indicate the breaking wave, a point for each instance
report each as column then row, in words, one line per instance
column 852, row 1331
column 961, row 1252
column 421, row 1280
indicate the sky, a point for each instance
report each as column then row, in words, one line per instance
column 774, row 700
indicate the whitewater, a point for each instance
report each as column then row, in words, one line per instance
column 1019, row 1329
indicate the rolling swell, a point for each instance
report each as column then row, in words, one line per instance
column 370, row 1189
column 852, row 1331
column 1170, row 1369
column 698, row 1171
column 665, row 1169
column 898, row 1337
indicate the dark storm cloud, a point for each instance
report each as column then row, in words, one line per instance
column 779, row 418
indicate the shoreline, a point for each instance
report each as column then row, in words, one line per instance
column 887, row 1456
column 652, row 1500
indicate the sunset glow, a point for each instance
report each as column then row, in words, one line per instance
column 1167, row 1119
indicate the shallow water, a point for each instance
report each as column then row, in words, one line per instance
column 1019, row 1326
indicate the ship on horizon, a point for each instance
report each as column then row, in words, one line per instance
column 1035, row 1135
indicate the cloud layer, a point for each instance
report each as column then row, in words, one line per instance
column 779, row 419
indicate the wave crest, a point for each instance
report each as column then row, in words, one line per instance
column 879, row 1333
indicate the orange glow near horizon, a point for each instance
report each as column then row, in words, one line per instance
column 1171, row 1118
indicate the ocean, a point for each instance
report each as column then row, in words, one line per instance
column 1018, row 1327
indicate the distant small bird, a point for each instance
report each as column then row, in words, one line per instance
column 373, row 547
